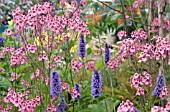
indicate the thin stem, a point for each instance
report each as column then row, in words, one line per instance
column 124, row 18
column 110, row 7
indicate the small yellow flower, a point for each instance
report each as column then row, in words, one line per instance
column 10, row 22
column 73, row 49
column 37, row 40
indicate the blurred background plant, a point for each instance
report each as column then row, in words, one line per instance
column 104, row 19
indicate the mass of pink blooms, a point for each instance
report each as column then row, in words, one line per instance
column 126, row 106
column 76, row 65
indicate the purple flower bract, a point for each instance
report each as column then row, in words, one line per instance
column 55, row 84
column 106, row 54
column 81, row 47
column 96, row 84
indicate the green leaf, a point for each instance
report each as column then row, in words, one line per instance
column 167, row 9
column 89, row 51
column 99, row 64
column 116, row 16
column 116, row 104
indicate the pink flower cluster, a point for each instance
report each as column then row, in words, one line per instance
column 76, row 65
column 7, row 109
column 56, row 58
column 74, row 93
column 25, row 83
column 37, row 74
column 121, row 34
column 39, row 17
column 8, row 32
column 168, row 106
column 5, row 50
column 51, row 108
column 65, row 86
column 138, row 80
column 126, row 107
column 128, row 47
column 166, row 25
column 2, row 70
column 90, row 66
column 158, row 109
column 17, row 99
column 14, row 76
column 139, row 34
column 31, row 48
column 140, row 91
column 18, row 57
column 135, row 4
column 43, row 57
column 158, row 51
column 164, row 93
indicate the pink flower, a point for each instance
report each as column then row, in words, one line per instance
column 47, row 80
column 135, row 4
column 76, row 65
column 164, row 93
column 132, row 50
column 158, row 109
column 168, row 105
column 32, row 77
column 65, row 86
column 83, row 3
column 56, row 58
column 155, row 109
column 140, row 91
column 2, row 70
column 121, row 34
column 74, row 93
column 90, row 66
column 8, row 32
column 31, row 48
column 14, row 76
column 126, row 106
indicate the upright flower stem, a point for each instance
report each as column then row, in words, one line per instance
column 124, row 17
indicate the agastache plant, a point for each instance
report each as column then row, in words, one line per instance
column 159, row 84
column 96, row 84
column 55, row 84
column 62, row 106
column 106, row 54
column 1, row 40
column 81, row 47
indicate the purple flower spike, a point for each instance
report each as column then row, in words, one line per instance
column 62, row 105
column 55, row 84
column 159, row 84
column 96, row 84
column 1, row 41
column 106, row 54
column 81, row 47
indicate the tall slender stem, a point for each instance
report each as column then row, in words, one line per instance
column 124, row 17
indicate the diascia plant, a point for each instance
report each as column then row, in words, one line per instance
column 36, row 61
column 146, row 50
